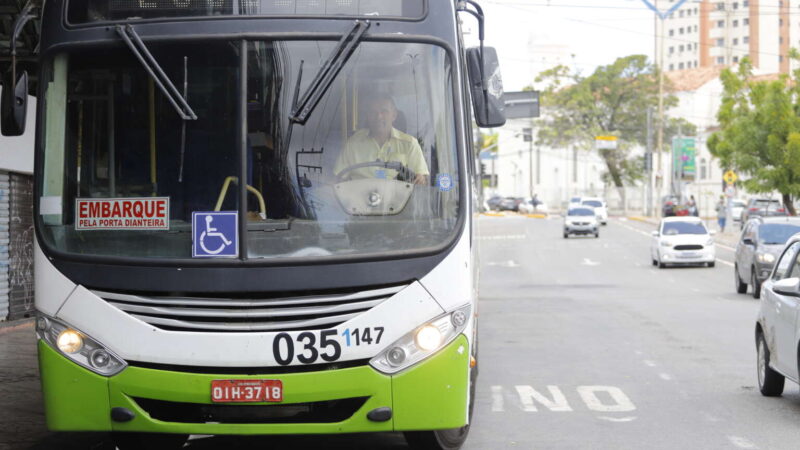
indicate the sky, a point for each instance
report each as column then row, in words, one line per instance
column 533, row 35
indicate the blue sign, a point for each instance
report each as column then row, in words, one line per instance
column 215, row 234
column 444, row 182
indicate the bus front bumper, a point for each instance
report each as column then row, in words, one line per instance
column 429, row 395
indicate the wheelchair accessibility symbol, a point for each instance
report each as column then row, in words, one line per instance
column 215, row 234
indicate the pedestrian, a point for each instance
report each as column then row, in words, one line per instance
column 692, row 206
column 722, row 212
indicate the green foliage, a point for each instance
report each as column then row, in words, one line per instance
column 760, row 131
column 612, row 101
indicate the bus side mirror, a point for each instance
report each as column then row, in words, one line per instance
column 486, row 87
column 14, row 105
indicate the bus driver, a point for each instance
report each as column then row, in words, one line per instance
column 383, row 143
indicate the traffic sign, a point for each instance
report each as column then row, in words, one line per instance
column 605, row 142
column 730, row 177
column 215, row 234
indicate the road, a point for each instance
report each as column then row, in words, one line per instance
column 584, row 344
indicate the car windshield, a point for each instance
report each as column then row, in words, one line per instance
column 124, row 175
column 675, row 228
column 575, row 200
column 776, row 233
column 580, row 212
column 593, row 203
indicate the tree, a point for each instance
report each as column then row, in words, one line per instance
column 612, row 101
column 760, row 131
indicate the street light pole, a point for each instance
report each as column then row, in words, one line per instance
column 660, row 142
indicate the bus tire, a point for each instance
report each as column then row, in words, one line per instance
column 149, row 441
column 451, row 439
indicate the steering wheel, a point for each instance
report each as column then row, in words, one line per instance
column 403, row 172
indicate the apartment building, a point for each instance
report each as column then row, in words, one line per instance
column 709, row 33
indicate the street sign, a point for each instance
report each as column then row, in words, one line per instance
column 605, row 142
column 683, row 158
column 521, row 105
column 730, row 177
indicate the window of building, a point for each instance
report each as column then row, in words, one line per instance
column 735, row 5
column 671, row 50
column 680, row 48
column 695, row 11
column 745, row 3
column 735, row 59
column 680, row 66
column 720, row 60
column 672, row 67
column 680, row 13
column 680, row 30
column 695, row 28
column 720, row 42
column 695, row 45
column 746, row 21
column 695, row 63
column 720, row 24
column 720, row 6
column 735, row 41
column 703, row 169
column 672, row 32
column 746, row 39
column 735, row 23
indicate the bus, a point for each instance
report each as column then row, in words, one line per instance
column 257, row 216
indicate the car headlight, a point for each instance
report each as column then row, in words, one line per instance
column 665, row 244
column 767, row 258
column 78, row 347
column 422, row 342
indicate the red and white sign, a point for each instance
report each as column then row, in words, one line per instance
column 140, row 213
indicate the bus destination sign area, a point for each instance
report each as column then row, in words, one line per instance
column 150, row 213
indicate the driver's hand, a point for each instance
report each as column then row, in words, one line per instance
column 421, row 179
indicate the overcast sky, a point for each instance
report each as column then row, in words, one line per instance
column 596, row 32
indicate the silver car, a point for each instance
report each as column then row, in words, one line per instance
column 581, row 220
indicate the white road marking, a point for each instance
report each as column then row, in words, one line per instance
column 727, row 263
column 509, row 263
column 502, row 237
column 527, row 395
column 498, row 405
column 665, row 376
column 617, row 419
column 589, row 262
column 726, row 247
column 695, row 290
column 621, row 401
column 741, row 442
column 649, row 363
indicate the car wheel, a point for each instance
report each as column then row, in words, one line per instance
column 661, row 265
column 741, row 286
column 597, row 234
column 770, row 382
column 566, row 235
column 711, row 264
column 755, row 283
column 655, row 263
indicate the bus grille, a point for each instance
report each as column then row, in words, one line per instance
column 330, row 411
column 283, row 313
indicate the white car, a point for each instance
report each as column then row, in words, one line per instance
column 737, row 206
column 581, row 220
column 682, row 240
column 776, row 326
column 599, row 205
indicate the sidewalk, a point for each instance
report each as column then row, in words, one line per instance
column 729, row 237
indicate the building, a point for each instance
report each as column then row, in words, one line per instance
column 709, row 33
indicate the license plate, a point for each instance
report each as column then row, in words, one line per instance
column 688, row 255
column 246, row 391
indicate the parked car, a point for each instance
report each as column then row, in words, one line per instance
column 599, row 206
column 574, row 202
column 509, row 204
column 669, row 206
column 763, row 207
column 581, row 220
column 682, row 240
column 494, row 202
column 776, row 324
column 737, row 206
column 760, row 244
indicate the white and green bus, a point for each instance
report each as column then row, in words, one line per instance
column 225, row 244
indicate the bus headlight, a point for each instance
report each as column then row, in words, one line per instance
column 78, row 347
column 766, row 258
column 422, row 342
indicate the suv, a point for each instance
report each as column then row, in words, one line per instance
column 760, row 244
column 762, row 207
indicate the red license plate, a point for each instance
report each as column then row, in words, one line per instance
column 246, row 391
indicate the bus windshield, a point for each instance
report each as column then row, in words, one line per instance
column 374, row 170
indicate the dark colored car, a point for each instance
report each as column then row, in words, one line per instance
column 494, row 202
column 510, row 203
column 763, row 207
column 670, row 206
column 760, row 244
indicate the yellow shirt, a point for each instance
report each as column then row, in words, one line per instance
column 361, row 148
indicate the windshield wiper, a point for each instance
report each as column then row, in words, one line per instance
column 167, row 87
column 328, row 72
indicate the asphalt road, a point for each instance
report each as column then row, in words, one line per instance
column 585, row 345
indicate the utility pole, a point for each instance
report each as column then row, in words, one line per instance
column 530, row 161
column 648, row 158
column 660, row 134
